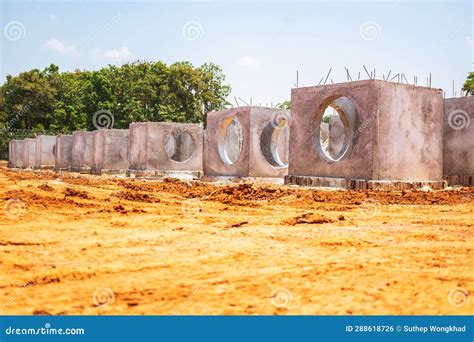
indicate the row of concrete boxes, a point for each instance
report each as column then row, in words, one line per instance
column 385, row 135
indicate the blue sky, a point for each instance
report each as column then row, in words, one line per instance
column 259, row 45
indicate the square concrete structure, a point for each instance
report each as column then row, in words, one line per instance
column 29, row 153
column 110, row 151
column 393, row 136
column 162, row 146
column 458, row 167
column 82, row 151
column 63, row 153
column 247, row 142
column 15, row 153
column 45, row 151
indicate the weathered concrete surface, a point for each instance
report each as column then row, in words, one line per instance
column 394, row 131
column 15, row 153
column 29, row 153
column 162, row 146
column 63, row 152
column 82, row 151
column 458, row 165
column 110, row 151
column 259, row 148
column 45, row 151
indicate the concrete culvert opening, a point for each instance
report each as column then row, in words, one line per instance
column 273, row 142
column 230, row 140
column 180, row 145
column 336, row 122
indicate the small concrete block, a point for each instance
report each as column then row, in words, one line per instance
column 29, row 153
column 458, row 163
column 15, row 153
column 82, row 151
column 63, row 152
column 110, row 151
column 45, row 151
column 247, row 142
column 162, row 146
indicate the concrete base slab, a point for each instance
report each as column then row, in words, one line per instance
column 99, row 172
column 255, row 180
column 463, row 180
column 184, row 175
column 363, row 184
column 44, row 167
column 83, row 170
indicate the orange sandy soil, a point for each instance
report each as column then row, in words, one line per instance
column 77, row 244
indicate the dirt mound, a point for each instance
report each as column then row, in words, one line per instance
column 68, row 192
column 136, row 196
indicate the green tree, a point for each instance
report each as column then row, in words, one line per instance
column 51, row 101
column 285, row 105
column 468, row 86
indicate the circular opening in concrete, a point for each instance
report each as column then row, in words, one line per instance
column 273, row 142
column 230, row 140
column 179, row 145
column 336, row 120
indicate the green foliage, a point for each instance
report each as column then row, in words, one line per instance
column 285, row 105
column 47, row 100
column 468, row 86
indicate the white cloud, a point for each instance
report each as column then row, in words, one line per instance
column 248, row 61
column 61, row 48
column 114, row 54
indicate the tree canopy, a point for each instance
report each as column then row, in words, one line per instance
column 54, row 101
column 468, row 86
